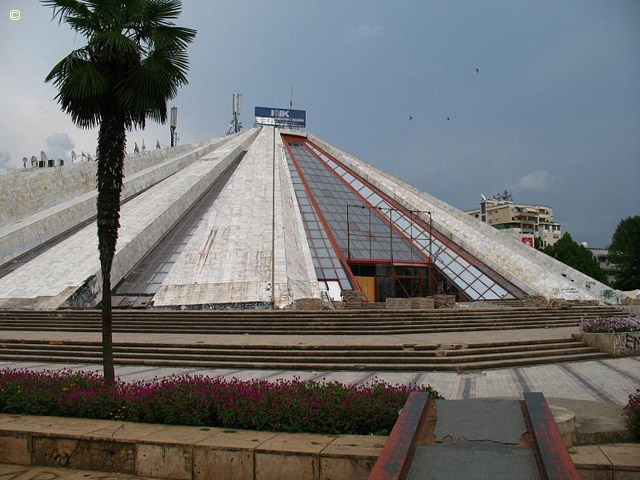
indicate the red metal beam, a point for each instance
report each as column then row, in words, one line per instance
column 553, row 455
column 394, row 460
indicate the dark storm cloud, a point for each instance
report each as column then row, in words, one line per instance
column 543, row 98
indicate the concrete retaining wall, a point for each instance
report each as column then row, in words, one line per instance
column 295, row 276
column 617, row 344
column 68, row 274
column 27, row 192
column 251, row 248
column 184, row 453
column 228, row 258
column 76, row 202
column 147, row 221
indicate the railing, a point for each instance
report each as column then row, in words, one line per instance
column 327, row 301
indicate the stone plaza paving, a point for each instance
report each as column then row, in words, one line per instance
column 598, row 387
column 609, row 380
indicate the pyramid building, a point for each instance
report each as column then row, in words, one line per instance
column 258, row 219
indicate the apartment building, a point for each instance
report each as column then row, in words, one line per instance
column 525, row 222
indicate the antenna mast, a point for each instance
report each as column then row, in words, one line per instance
column 235, row 125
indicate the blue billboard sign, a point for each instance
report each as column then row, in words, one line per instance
column 281, row 117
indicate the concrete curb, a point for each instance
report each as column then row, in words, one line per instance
column 183, row 453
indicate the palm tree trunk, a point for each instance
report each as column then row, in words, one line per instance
column 111, row 151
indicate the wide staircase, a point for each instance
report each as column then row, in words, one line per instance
column 342, row 355
column 306, row 322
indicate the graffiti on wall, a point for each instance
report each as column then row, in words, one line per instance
column 632, row 341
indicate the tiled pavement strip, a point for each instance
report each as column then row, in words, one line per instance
column 607, row 381
column 24, row 472
column 610, row 380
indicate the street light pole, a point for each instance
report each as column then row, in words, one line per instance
column 430, row 254
column 173, row 124
column 348, row 238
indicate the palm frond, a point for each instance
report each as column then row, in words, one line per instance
column 164, row 36
column 160, row 12
column 114, row 46
column 156, row 81
column 64, row 66
column 86, row 25
column 85, row 80
column 135, row 58
column 81, row 87
column 63, row 9
column 79, row 77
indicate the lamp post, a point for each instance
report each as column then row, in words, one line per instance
column 173, row 124
column 362, row 207
column 430, row 254
column 348, row 238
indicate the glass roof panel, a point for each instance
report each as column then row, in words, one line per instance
column 367, row 233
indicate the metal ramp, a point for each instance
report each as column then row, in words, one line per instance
column 492, row 439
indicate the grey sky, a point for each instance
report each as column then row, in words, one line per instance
column 552, row 114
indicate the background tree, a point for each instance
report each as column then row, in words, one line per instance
column 537, row 243
column 134, row 62
column 624, row 253
column 576, row 256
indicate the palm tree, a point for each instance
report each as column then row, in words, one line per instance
column 133, row 63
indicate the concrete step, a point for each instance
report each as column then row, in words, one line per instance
column 372, row 357
column 516, row 345
column 301, row 323
column 333, row 316
column 318, row 320
column 322, row 331
column 525, row 347
column 335, row 358
column 314, row 366
column 287, row 322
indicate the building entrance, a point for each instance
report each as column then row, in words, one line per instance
column 379, row 282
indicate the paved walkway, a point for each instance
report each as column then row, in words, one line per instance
column 472, row 337
column 30, row 472
column 610, row 380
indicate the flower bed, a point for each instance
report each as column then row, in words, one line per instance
column 281, row 406
column 611, row 324
column 619, row 336
column 632, row 410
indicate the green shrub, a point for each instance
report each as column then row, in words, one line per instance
column 283, row 405
column 632, row 410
